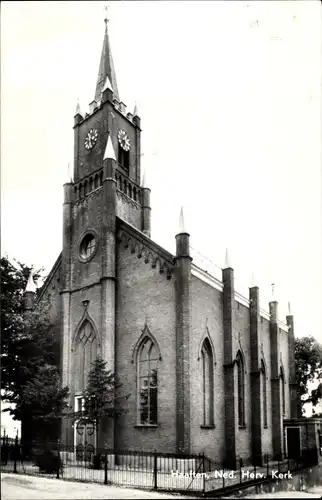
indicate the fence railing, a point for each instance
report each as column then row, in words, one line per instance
column 269, row 468
column 150, row 470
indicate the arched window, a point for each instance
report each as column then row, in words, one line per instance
column 240, row 390
column 282, row 379
column 85, row 353
column 148, row 358
column 264, row 393
column 207, row 383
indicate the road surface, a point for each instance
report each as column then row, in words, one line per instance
column 18, row 487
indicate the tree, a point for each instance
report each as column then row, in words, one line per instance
column 14, row 338
column 100, row 398
column 45, row 400
column 29, row 348
column 308, row 365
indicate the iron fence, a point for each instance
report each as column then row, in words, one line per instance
column 147, row 470
column 223, row 480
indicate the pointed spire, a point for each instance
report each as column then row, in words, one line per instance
column 109, row 150
column 107, row 84
column 289, row 309
column 227, row 260
column 135, row 111
column 78, row 110
column 253, row 281
column 106, row 68
column 273, row 295
column 145, row 178
column 182, row 228
column 69, row 173
column 31, row 285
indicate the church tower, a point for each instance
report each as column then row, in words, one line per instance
column 108, row 117
column 105, row 188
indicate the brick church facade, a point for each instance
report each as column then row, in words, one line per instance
column 207, row 370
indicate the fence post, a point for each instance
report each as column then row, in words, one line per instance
column 240, row 470
column 204, row 474
column 267, row 463
column 58, row 458
column 15, row 454
column 105, row 468
column 155, row 470
column 4, row 450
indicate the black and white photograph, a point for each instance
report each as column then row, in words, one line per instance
column 161, row 278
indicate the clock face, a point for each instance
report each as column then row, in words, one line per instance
column 124, row 140
column 91, row 138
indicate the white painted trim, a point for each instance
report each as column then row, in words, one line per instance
column 206, row 277
column 265, row 314
column 283, row 326
column 218, row 285
column 241, row 299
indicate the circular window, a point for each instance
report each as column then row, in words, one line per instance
column 87, row 247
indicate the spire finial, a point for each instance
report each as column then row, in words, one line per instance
column 182, row 228
column 145, row 178
column 135, row 111
column 69, row 173
column 227, row 259
column 107, row 85
column 106, row 67
column 273, row 292
column 78, row 110
column 289, row 309
column 253, row 280
column 109, row 150
column 31, row 285
column 106, row 18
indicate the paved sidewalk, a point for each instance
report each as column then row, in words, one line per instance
column 16, row 487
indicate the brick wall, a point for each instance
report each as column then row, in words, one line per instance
column 145, row 295
column 242, row 337
column 284, row 357
column 207, row 304
column 267, row 433
column 86, row 215
column 128, row 210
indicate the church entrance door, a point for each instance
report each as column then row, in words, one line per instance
column 85, row 438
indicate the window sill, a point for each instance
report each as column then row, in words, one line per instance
column 146, row 426
column 242, row 426
column 208, row 426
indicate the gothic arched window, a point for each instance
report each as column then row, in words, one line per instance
column 207, row 383
column 147, row 359
column 282, row 379
column 85, row 353
column 240, row 390
column 264, row 393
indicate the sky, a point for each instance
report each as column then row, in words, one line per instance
column 229, row 95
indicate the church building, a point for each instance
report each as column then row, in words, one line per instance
column 207, row 369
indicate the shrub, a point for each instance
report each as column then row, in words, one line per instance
column 48, row 461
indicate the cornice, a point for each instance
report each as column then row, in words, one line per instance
column 145, row 248
column 50, row 276
column 206, row 277
column 127, row 199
